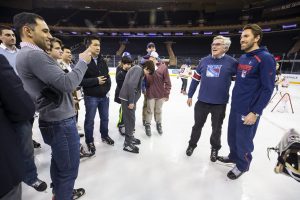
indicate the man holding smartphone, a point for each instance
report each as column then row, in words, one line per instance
column 96, row 84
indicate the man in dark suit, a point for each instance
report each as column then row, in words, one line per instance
column 15, row 106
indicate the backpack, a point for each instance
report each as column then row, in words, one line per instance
column 288, row 150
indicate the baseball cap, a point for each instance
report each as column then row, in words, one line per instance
column 127, row 54
column 154, row 55
column 150, row 44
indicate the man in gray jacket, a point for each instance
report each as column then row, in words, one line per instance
column 50, row 88
column 129, row 95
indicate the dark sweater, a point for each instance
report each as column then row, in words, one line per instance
column 215, row 75
column 90, row 81
column 120, row 77
column 15, row 106
column 255, row 81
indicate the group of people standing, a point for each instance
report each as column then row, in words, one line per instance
column 45, row 84
column 155, row 85
column 50, row 82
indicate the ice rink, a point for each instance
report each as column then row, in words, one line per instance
column 162, row 171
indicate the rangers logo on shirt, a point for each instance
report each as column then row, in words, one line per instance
column 245, row 69
column 213, row 70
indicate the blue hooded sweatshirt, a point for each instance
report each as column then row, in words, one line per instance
column 254, row 83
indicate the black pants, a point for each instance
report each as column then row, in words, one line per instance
column 184, row 84
column 201, row 111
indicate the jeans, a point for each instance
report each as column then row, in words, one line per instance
column 24, row 131
column 217, row 116
column 91, row 105
column 63, row 138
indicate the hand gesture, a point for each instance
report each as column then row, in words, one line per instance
column 189, row 102
column 86, row 56
column 101, row 80
column 131, row 106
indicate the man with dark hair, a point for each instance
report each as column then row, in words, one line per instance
column 252, row 91
column 15, row 106
column 214, row 73
column 8, row 45
column 121, row 71
column 67, row 65
column 55, row 48
column 56, row 53
column 66, row 59
column 96, row 84
column 129, row 95
column 51, row 88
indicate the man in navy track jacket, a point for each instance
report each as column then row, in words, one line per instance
column 254, row 86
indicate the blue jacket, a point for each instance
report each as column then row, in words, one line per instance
column 15, row 106
column 255, row 81
column 215, row 75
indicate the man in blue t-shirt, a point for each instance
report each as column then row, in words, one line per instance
column 254, row 86
column 215, row 73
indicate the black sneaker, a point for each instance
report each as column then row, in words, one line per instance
column 81, row 135
column 77, row 193
column 159, row 128
column 213, row 155
column 39, row 185
column 190, row 150
column 234, row 173
column 148, row 129
column 131, row 148
column 36, row 144
column 91, row 148
column 84, row 153
column 135, row 141
column 108, row 140
column 225, row 159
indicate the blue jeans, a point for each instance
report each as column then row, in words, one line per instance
column 63, row 138
column 24, row 131
column 91, row 105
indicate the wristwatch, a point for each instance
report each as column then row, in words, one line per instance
column 257, row 115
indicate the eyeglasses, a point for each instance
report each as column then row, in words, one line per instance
column 216, row 44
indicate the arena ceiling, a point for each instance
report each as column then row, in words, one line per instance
column 145, row 5
column 144, row 15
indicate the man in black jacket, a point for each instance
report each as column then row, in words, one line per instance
column 15, row 106
column 96, row 84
